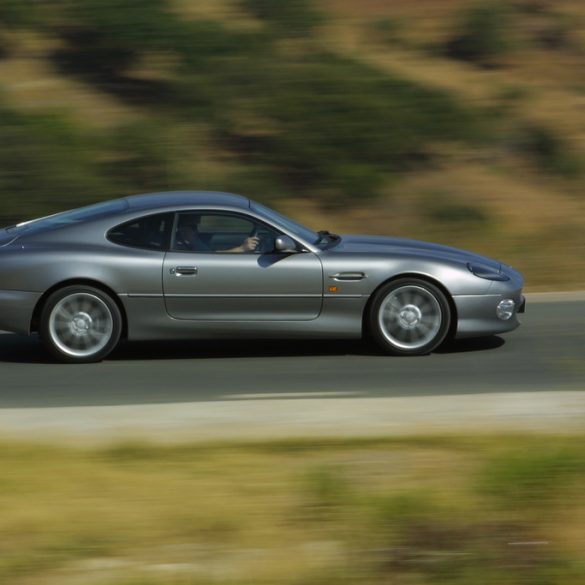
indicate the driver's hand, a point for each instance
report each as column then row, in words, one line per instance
column 250, row 244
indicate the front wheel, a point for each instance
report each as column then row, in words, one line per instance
column 409, row 317
column 80, row 324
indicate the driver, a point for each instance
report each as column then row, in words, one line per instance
column 189, row 238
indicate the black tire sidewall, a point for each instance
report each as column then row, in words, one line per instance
column 374, row 328
column 50, row 304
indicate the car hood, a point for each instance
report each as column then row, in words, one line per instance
column 403, row 246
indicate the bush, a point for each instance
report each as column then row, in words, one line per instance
column 387, row 31
column 16, row 13
column 327, row 123
column 556, row 34
column 458, row 215
column 45, row 166
column 533, row 6
column 533, row 479
column 295, row 18
column 551, row 153
column 141, row 159
column 106, row 37
column 337, row 124
column 297, row 121
column 484, row 33
column 159, row 154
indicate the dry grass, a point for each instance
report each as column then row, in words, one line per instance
column 30, row 81
column 533, row 220
column 339, row 511
column 530, row 225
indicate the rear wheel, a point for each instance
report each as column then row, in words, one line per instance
column 409, row 317
column 80, row 324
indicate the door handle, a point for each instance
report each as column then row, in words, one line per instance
column 184, row 271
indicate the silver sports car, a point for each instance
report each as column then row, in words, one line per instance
column 215, row 265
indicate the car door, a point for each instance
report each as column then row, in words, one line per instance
column 207, row 277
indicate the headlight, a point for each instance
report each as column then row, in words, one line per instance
column 505, row 309
column 487, row 272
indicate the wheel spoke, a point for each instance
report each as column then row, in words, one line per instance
column 96, row 335
column 393, row 304
column 410, row 317
column 423, row 328
column 65, row 314
column 81, row 324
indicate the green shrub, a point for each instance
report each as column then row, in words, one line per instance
column 294, row 122
column 327, row 491
column 557, row 33
column 324, row 123
column 295, row 18
column 18, row 13
column 141, row 158
column 106, row 37
column 552, row 154
column 345, row 126
column 533, row 6
column 398, row 513
column 387, row 31
column 483, row 34
column 45, row 165
column 530, row 478
column 457, row 214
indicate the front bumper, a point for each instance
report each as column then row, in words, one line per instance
column 16, row 310
column 522, row 307
column 477, row 316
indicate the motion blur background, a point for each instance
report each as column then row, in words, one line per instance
column 457, row 121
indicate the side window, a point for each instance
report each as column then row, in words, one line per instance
column 226, row 224
column 216, row 232
column 151, row 232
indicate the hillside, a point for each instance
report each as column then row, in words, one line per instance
column 452, row 120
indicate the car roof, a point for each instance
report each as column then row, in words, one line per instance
column 185, row 198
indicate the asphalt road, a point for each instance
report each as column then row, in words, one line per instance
column 547, row 353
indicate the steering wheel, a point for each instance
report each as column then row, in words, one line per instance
column 263, row 242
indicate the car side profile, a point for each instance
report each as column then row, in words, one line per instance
column 205, row 265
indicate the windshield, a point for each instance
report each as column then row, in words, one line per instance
column 296, row 228
column 81, row 214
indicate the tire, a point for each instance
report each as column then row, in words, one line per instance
column 409, row 316
column 80, row 324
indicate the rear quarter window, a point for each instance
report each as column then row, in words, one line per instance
column 151, row 232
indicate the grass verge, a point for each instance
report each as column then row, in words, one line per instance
column 418, row 510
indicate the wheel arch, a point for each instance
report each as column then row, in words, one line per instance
column 36, row 316
column 417, row 276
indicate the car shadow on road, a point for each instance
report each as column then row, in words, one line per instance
column 474, row 344
column 22, row 349
column 29, row 350
column 251, row 348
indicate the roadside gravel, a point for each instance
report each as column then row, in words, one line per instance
column 248, row 418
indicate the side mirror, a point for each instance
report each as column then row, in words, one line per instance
column 285, row 244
